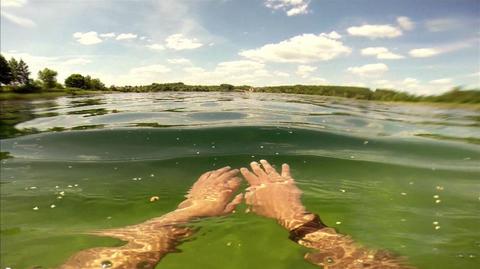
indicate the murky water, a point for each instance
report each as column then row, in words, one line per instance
column 395, row 176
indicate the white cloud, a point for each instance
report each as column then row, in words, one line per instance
column 303, row 48
column 150, row 69
column 381, row 53
column 194, row 69
column 291, row 7
column 24, row 22
column 375, row 31
column 369, row 70
column 126, row 36
column 410, row 82
column 318, row 80
column 156, row 46
column 77, row 61
column 180, row 42
column 13, row 3
column 236, row 66
column 281, row 74
column 441, row 81
column 107, row 35
column 423, row 52
column 305, row 70
column 332, row 35
column 405, row 23
column 89, row 38
column 443, row 24
column 182, row 61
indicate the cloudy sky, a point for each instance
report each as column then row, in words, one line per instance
column 420, row 46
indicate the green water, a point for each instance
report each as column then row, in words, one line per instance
column 373, row 171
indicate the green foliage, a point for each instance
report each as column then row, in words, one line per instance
column 5, row 71
column 84, row 82
column 48, row 78
column 23, row 74
column 75, row 81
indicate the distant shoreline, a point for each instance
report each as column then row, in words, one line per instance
column 455, row 97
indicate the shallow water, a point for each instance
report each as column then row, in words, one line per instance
column 383, row 173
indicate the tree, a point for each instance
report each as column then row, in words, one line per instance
column 5, row 71
column 22, row 73
column 48, row 78
column 13, row 64
column 75, row 81
column 96, row 84
column 87, row 82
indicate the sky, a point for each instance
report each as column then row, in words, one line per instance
column 418, row 46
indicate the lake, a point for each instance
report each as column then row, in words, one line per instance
column 397, row 176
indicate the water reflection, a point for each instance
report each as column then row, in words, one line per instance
column 204, row 109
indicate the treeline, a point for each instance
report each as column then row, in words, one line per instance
column 179, row 87
column 456, row 95
column 15, row 77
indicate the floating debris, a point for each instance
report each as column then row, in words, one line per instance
column 229, row 244
column 36, row 208
column 436, row 196
column 440, row 188
column 403, row 193
column 59, row 197
column 338, row 222
column 261, row 147
column 435, row 223
column 70, row 166
column 152, row 175
column 52, row 206
column 198, row 152
column 76, row 185
column 56, row 187
column 154, row 198
column 437, row 227
column 438, row 201
column 403, row 220
column 352, row 157
column 342, row 190
column 62, row 193
column 365, row 142
column 33, row 188
column 70, row 186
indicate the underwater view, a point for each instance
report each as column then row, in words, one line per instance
column 396, row 176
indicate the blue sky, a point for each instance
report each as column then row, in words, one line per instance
column 422, row 46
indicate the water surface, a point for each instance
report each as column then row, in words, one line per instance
column 395, row 176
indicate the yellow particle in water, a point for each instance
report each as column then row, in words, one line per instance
column 338, row 222
column 435, row 223
column 365, row 142
column 342, row 190
column 53, row 206
column 229, row 244
column 437, row 227
column 440, row 188
column 438, row 201
column 35, row 208
column 154, row 198
column 436, row 196
column 403, row 193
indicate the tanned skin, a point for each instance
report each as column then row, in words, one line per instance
column 275, row 195
column 271, row 194
column 148, row 242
